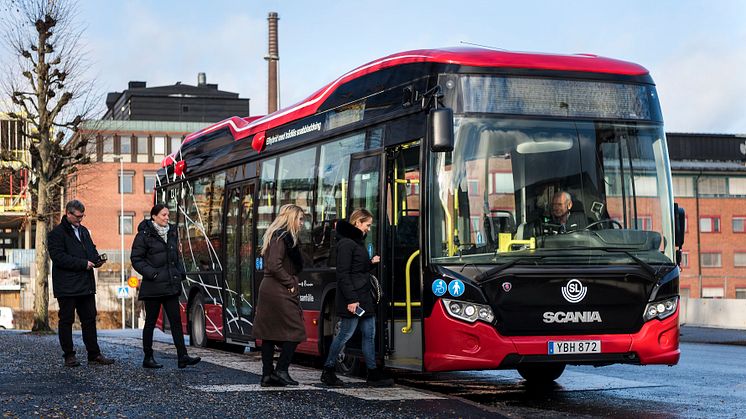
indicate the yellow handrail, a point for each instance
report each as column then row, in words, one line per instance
column 408, row 296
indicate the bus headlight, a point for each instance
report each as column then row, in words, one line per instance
column 469, row 311
column 661, row 309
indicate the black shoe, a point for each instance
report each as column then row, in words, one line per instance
column 149, row 362
column 101, row 360
column 185, row 360
column 376, row 380
column 71, row 361
column 285, row 378
column 272, row 380
column 329, row 377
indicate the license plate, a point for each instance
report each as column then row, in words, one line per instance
column 574, row 347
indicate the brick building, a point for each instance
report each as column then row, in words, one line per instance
column 709, row 181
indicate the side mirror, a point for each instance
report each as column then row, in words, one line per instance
column 440, row 130
column 679, row 224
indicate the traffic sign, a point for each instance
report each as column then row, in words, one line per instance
column 123, row 292
column 132, row 282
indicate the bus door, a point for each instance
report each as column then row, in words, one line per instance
column 402, row 257
column 238, row 292
column 364, row 191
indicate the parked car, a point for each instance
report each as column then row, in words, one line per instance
column 6, row 318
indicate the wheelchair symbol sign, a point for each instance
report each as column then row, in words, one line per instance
column 439, row 287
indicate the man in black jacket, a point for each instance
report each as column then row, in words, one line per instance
column 73, row 257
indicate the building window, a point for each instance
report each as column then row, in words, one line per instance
column 739, row 259
column 684, row 259
column 175, row 143
column 125, row 145
column 737, row 186
column 713, row 292
column 741, row 293
column 711, row 260
column 149, row 182
column 646, row 186
column 473, row 186
column 644, row 223
column 125, row 222
column 125, row 182
column 683, row 186
column 712, row 186
column 142, row 149
column 159, row 146
column 500, row 183
column 709, row 224
column 108, row 149
column 739, row 224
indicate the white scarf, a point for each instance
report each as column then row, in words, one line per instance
column 162, row 231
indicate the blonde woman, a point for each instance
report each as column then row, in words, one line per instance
column 354, row 302
column 279, row 317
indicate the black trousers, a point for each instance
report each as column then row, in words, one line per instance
column 85, row 305
column 172, row 311
column 268, row 352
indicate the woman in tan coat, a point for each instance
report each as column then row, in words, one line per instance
column 279, row 317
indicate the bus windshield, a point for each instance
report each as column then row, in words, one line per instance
column 561, row 191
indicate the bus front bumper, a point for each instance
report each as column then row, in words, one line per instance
column 452, row 345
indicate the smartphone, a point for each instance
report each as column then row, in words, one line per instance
column 359, row 311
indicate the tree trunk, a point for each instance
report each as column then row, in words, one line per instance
column 41, row 295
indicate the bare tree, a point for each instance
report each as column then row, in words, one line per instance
column 48, row 90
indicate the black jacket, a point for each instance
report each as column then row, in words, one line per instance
column 353, row 270
column 70, row 274
column 157, row 261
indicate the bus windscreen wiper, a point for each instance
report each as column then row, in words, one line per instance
column 504, row 266
column 646, row 266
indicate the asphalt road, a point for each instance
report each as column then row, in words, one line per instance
column 710, row 381
column 34, row 383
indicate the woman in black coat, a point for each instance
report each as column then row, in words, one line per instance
column 155, row 256
column 354, row 301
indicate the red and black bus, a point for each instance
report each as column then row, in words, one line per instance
column 458, row 152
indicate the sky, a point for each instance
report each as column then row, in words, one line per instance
column 694, row 50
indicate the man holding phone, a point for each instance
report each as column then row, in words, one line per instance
column 73, row 257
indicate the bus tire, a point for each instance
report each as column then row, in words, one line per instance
column 197, row 322
column 541, row 373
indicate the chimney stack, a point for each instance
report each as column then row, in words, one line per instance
column 201, row 79
column 272, row 58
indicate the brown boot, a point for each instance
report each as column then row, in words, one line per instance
column 71, row 361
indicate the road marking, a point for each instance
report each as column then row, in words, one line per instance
column 389, row 393
column 309, row 379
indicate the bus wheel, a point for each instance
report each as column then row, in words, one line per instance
column 198, row 334
column 541, row 373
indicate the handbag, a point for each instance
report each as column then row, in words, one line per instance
column 375, row 289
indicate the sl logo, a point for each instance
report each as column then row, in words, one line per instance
column 574, row 291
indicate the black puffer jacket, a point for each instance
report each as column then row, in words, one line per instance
column 70, row 274
column 157, row 261
column 353, row 270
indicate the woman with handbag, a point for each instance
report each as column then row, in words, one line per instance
column 354, row 299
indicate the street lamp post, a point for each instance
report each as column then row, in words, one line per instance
column 121, row 224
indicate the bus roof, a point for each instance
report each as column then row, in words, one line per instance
column 463, row 56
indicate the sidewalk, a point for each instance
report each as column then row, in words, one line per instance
column 694, row 334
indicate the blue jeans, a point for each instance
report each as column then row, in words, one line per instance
column 346, row 330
